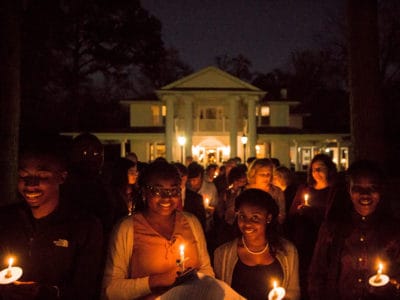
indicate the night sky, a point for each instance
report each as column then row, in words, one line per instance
column 264, row 31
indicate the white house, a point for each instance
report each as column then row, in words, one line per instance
column 212, row 116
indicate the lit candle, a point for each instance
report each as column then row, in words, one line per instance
column 379, row 279
column 379, row 272
column 306, row 199
column 9, row 269
column 206, row 202
column 182, row 256
column 277, row 293
column 10, row 274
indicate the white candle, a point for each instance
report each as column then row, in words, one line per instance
column 306, row 199
column 379, row 272
column 379, row 279
column 182, row 256
column 206, row 202
column 277, row 293
column 11, row 273
column 9, row 269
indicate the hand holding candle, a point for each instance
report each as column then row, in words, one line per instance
column 10, row 274
column 379, row 279
column 277, row 293
column 306, row 196
column 182, row 257
column 206, row 202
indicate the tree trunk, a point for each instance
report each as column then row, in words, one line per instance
column 366, row 105
column 10, row 12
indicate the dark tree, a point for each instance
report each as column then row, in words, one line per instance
column 73, row 48
column 239, row 66
column 366, row 105
column 10, row 15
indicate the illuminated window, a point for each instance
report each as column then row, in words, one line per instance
column 265, row 111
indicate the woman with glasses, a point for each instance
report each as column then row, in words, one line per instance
column 252, row 263
column 145, row 247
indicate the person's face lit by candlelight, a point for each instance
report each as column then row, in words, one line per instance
column 263, row 176
column 365, row 195
column 162, row 196
column 39, row 180
column 132, row 175
column 319, row 172
column 253, row 220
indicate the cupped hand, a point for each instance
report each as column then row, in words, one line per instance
column 163, row 280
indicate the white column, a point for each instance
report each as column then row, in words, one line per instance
column 122, row 148
column 188, row 130
column 169, row 126
column 233, row 118
column 252, row 133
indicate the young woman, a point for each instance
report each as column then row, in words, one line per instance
column 309, row 209
column 259, row 176
column 144, row 247
column 260, row 256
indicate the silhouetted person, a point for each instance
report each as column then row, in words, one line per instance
column 191, row 201
column 85, row 184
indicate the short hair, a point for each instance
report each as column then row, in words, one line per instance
column 365, row 168
column 258, row 164
column 285, row 173
column 195, row 170
column 51, row 146
column 211, row 166
column 235, row 174
column 87, row 137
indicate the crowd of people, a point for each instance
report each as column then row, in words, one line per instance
column 83, row 229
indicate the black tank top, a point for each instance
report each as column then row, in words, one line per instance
column 255, row 282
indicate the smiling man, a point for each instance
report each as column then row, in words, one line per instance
column 350, row 247
column 58, row 248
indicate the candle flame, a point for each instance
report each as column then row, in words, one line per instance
column 10, row 262
column 275, row 284
column 306, row 197
column 380, row 268
column 182, row 249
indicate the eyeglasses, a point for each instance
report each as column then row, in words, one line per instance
column 356, row 189
column 164, row 193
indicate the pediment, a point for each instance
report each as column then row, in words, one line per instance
column 210, row 78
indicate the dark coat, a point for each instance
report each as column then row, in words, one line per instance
column 195, row 205
column 63, row 249
column 346, row 256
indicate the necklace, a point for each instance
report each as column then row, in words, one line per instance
column 255, row 252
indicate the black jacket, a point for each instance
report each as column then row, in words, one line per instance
column 63, row 249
